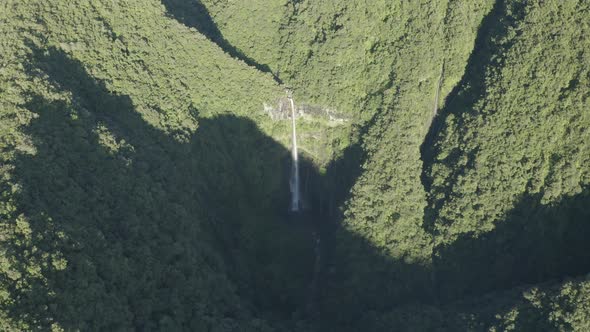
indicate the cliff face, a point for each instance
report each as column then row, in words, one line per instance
column 145, row 186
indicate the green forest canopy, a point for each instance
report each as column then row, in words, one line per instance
column 143, row 186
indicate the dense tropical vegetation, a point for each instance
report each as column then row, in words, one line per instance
column 144, row 186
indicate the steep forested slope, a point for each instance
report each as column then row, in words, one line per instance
column 136, row 189
column 144, row 186
column 497, row 181
column 544, row 307
column 510, row 170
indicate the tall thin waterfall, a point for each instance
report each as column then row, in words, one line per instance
column 295, row 186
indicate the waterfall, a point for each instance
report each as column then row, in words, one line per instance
column 295, row 190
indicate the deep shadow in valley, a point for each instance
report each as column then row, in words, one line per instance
column 157, row 232
column 533, row 244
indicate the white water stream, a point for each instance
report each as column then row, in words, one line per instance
column 295, row 187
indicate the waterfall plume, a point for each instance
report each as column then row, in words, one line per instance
column 294, row 182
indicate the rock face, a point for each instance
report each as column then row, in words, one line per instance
column 282, row 111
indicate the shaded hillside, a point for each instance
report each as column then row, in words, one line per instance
column 109, row 211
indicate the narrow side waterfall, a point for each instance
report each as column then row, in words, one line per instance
column 295, row 190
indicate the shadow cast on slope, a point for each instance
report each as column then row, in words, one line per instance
column 357, row 280
column 194, row 14
column 533, row 244
column 133, row 229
